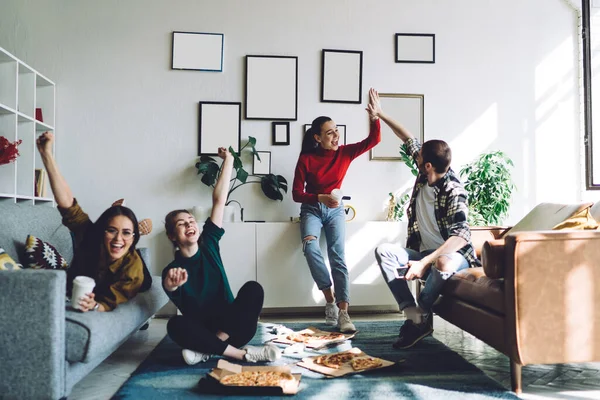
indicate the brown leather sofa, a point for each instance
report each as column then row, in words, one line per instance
column 536, row 299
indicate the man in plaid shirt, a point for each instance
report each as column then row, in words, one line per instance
column 439, row 238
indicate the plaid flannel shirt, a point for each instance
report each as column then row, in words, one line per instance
column 451, row 209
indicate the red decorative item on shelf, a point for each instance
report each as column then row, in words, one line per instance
column 8, row 150
column 38, row 115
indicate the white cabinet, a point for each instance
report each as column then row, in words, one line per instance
column 238, row 252
column 282, row 269
column 22, row 91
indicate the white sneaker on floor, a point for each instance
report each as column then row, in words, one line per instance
column 344, row 324
column 331, row 314
column 193, row 357
column 268, row 352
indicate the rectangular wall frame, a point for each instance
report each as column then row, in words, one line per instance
column 281, row 134
column 341, row 76
column 198, row 51
column 272, row 87
column 414, row 48
column 262, row 167
column 407, row 109
column 220, row 125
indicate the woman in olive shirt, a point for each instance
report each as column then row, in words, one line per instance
column 104, row 250
column 212, row 321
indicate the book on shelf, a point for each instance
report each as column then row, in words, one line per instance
column 40, row 182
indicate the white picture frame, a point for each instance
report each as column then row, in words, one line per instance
column 280, row 133
column 198, row 51
column 262, row 167
column 272, row 88
column 341, row 76
column 408, row 109
column 415, row 48
column 220, row 125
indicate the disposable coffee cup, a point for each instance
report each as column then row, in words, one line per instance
column 337, row 194
column 82, row 285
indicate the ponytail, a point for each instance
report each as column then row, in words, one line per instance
column 309, row 143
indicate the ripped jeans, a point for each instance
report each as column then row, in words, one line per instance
column 313, row 217
column 391, row 256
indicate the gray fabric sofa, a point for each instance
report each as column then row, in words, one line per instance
column 45, row 347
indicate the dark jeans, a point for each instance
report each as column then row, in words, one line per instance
column 238, row 319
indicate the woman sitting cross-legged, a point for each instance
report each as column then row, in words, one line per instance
column 212, row 321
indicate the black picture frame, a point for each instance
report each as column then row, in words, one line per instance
column 341, row 76
column 414, row 48
column 219, row 125
column 271, row 88
column 197, row 51
column 342, row 131
column 280, row 129
column 262, row 167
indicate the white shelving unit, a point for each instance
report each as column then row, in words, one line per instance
column 22, row 91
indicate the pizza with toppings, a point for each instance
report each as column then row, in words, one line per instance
column 257, row 378
column 362, row 363
column 315, row 337
column 334, row 360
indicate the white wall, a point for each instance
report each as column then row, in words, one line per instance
column 505, row 78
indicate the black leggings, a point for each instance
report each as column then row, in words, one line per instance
column 238, row 319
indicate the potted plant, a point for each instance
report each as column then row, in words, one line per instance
column 489, row 184
column 273, row 186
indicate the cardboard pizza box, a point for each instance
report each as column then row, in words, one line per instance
column 344, row 369
column 226, row 368
column 315, row 344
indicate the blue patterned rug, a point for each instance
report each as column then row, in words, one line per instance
column 430, row 371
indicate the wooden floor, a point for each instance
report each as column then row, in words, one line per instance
column 567, row 381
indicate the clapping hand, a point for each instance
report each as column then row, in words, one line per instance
column 374, row 106
column 175, row 278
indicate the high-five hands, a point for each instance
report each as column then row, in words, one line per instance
column 44, row 143
column 175, row 278
column 374, row 106
column 223, row 153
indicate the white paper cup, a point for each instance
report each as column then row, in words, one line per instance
column 337, row 194
column 82, row 285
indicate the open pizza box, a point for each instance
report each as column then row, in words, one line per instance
column 314, row 338
column 225, row 368
column 344, row 368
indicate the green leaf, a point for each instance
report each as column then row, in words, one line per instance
column 270, row 187
column 242, row 175
column 252, row 141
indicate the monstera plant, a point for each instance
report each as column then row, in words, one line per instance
column 273, row 186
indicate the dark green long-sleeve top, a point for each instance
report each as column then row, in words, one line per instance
column 207, row 287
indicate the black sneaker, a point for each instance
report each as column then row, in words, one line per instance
column 411, row 333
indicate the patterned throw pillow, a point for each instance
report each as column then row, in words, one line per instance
column 42, row 255
column 6, row 262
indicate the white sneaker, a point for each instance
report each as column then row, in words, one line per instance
column 344, row 324
column 268, row 352
column 331, row 314
column 193, row 357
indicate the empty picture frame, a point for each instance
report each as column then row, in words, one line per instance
column 281, row 133
column 262, row 166
column 341, row 76
column 219, row 126
column 407, row 109
column 198, row 51
column 341, row 130
column 415, row 48
column 272, row 87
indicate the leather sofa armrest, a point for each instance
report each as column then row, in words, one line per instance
column 492, row 258
column 551, row 284
column 481, row 234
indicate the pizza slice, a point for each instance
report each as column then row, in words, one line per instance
column 362, row 363
column 257, row 378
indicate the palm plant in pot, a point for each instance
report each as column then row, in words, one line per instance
column 273, row 186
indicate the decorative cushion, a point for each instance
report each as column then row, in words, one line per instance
column 546, row 216
column 6, row 262
column 579, row 221
column 42, row 255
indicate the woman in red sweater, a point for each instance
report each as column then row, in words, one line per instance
column 321, row 168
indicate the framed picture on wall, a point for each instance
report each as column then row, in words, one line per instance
column 198, row 51
column 281, row 133
column 219, row 126
column 341, row 130
column 341, row 76
column 415, row 48
column 262, row 166
column 409, row 110
column 272, row 87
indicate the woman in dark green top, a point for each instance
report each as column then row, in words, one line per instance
column 213, row 322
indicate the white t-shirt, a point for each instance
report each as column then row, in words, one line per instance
column 431, row 238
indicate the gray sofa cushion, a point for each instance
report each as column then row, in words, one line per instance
column 97, row 334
